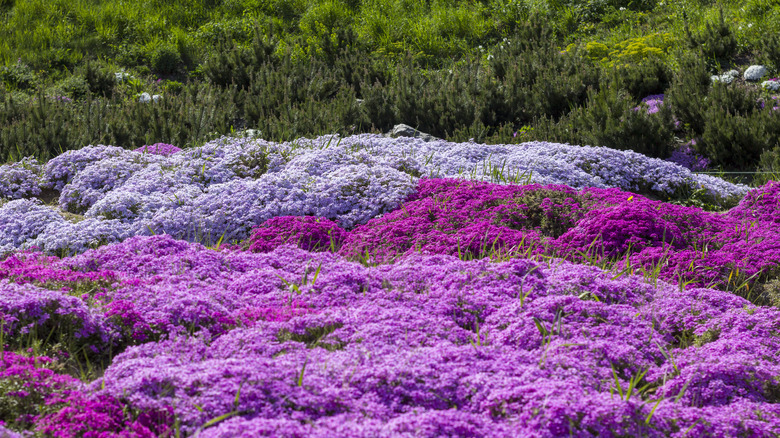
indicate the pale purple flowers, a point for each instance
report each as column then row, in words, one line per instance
column 159, row 149
column 686, row 156
column 21, row 179
column 652, row 103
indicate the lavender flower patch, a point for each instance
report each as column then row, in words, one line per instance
column 21, row 179
column 68, row 238
column 90, row 184
column 23, row 220
column 51, row 314
column 430, row 346
column 687, row 157
column 61, row 169
column 159, row 149
column 544, row 163
column 651, row 104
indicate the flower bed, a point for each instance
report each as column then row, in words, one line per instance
column 351, row 294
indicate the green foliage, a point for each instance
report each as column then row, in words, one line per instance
column 770, row 49
column 492, row 70
column 769, row 166
column 75, row 87
column 734, row 140
column 610, row 118
column 165, row 60
column 716, row 41
column 652, row 76
column 733, row 128
column 17, row 76
column 232, row 64
column 43, row 127
column 690, row 86
column 99, row 78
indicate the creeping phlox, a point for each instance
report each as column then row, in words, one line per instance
column 220, row 191
column 376, row 287
column 299, row 343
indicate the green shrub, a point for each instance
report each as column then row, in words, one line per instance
column 43, row 127
column 18, row 76
column 232, row 64
column 768, row 167
column 690, row 86
column 537, row 79
column 770, row 49
column 643, row 79
column 131, row 55
column 165, row 60
column 172, row 87
column 734, row 98
column 733, row 140
column 100, row 79
column 610, row 118
column 378, row 107
column 716, row 41
column 75, row 87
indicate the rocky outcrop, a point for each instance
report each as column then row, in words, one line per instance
column 403, row 130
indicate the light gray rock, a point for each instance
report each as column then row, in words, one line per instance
column 253, row 133
column 755, row 72
column 732, row 73
column 403, row 130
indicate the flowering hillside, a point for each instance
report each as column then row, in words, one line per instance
column 375, row 287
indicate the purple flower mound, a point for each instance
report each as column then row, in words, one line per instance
column 685, row 244
column 42, row 270
column 25, row 308
column 227, row 187
column 759, row 205
column 613, row 231
column 429, row 346
column 101, row 416
column 8, row 433
column 159, row 149
column 687, row 157
column 21, row 179
column 652, row 103
column 23, row 220
column 61, row 169
column 305, row 232
column 467, row 218
column 26, row 384
column 97, row 179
